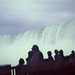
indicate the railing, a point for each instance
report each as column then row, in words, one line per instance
column 13, row 71
column 5, row 70
column 41, row 69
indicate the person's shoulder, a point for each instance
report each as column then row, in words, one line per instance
column 40, row 53
column 70, row 55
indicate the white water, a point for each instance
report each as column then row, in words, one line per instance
column 15, row 46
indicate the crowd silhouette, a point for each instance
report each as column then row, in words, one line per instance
column 37, row 65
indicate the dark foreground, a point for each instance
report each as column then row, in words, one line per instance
column 44, row 68
column 53, row 68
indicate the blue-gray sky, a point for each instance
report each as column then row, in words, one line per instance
column 18, row 16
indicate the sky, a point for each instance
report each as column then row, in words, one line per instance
column 17, row 16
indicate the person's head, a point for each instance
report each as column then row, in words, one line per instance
column 61, row 52
column 56, row 51
column 72, row 52
column 21, row 61
column 49, row 53
column 30, row 53
column 67, row 58
column 35, row 48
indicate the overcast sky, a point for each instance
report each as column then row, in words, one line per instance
column 22, row 15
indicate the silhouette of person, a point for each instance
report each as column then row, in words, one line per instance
column 50, row 58
column 37, row 52
column 56, row 55
column 67, row 58
column 21, row 61
column 30, row 55
column 72, row 55
column 61, row 56
column 21, row 69
column 36, row 59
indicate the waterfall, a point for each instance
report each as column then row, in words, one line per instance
column 15, row 46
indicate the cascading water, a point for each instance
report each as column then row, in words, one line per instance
column 15, row 46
